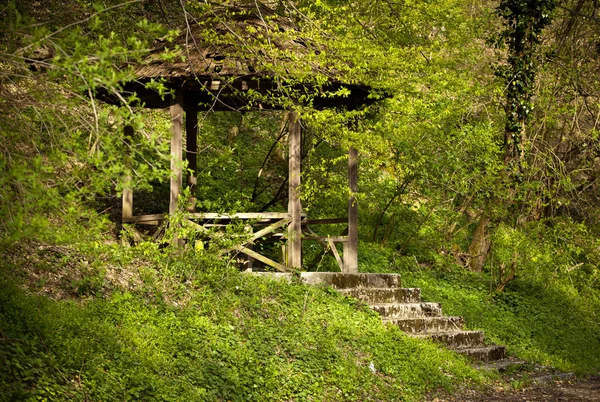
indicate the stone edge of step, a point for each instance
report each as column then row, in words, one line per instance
column 407, row 310
column 406, row 304
column 377, row 295
column 501, row 365
column 483, row 353
column 456, row 320
column 353, row 281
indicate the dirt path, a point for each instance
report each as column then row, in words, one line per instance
column 563, row 391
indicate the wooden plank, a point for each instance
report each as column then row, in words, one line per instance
column 249, row 259
column 336, row 239
column 324, row 221
column 334, row 250
column 214, row 216
column 294, row 204
column 149, row 223
column 351, row 246
column 193, row 224
column 267, row 230
column 260, row 233
column 191, row 153
column 262, row 258
column 283, row 254
column 319, row 257
column 176, row 149
column 241, row 215
column 127, row 202
column 203, row 229
column 144, row 218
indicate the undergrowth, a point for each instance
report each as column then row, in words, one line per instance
column 551, row 325
column 548, row 313
column 193, row 328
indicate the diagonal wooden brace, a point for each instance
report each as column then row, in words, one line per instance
column 259, row 234
column 261, row 258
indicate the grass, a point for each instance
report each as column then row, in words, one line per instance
column 100, row 322
column 191, row 328
column 552, row 325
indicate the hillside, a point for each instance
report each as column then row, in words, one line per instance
column 474, row 130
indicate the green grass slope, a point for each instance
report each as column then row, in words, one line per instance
column 553, row 325
column 548, row 314
column 191, row 328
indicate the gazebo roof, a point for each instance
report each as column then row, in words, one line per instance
column 242, row 58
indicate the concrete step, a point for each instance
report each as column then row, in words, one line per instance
column 339, row 280
column 408, row 310
column 503, row 365
column 456, row 339
column 352, row 281
column 428, row 325
column 484, row 354
column 384, row 295
column 550, row 378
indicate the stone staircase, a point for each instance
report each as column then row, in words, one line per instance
column 403, row 307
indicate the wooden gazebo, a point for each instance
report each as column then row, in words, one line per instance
column 229, row 77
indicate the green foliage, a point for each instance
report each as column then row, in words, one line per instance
column 195, row 329
column 524, row 21
column 60, row 147
column 547, row 314
column 84, row 319
column 553, row 252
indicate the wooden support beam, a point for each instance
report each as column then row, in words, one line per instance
column 324, row 242
column 144, row 218
column 241, row 215
column 249, row 246
column 176, row 149
column 351, row 246
column 294, row 205
column 334, row 250
column 324, row 221
column 211, row 216
column 261, row 258
column 261, row 233
column 336, row 239
column 267, row 230
column 127, row 206
column 191, row 153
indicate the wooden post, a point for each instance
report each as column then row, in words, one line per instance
column 176, row 149
column 191, row 153
column 249, row 259
column 127, row 209
column 351, row 246
column 294, row 249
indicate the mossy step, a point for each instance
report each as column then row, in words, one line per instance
column 456, row 339
column 408, row 310
column 503, row 365
column 352, row 281
column 428, row 325
column 338, row 280
column 484, row 354
column 384, row 295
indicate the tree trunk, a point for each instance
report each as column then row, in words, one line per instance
column 480, row 245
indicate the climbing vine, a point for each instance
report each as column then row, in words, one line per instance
column 524, row 21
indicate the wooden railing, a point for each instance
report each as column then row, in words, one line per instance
column 274, row 221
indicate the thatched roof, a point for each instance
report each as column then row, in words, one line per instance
column 237, row 58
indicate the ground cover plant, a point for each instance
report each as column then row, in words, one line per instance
column 193, row 328
column 479, row 181
column 546, row 314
